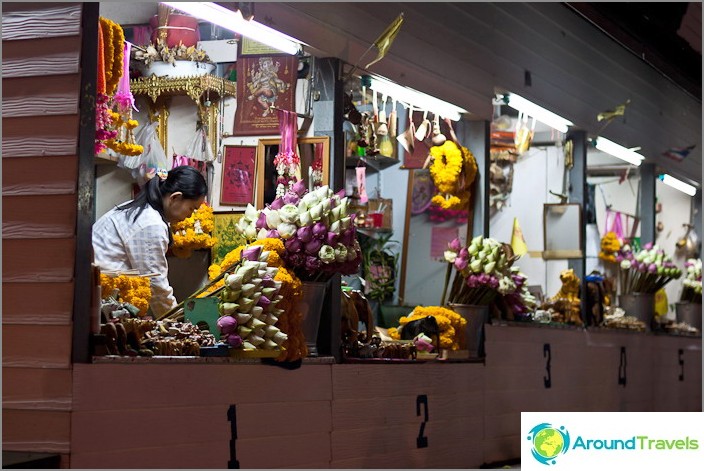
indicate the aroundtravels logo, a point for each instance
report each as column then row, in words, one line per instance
column 548, row 442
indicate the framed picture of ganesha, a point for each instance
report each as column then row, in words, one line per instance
column 263, row 82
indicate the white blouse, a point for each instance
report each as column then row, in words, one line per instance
column 119, row 243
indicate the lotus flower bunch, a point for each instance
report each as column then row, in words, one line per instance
column 318, row 234
column 646, row 271
column 521, row 302
column 692, row 283
column 483, row 270
column 248, row 304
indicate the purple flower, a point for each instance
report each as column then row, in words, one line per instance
column 273, row 234
column 227, row 324
column 341, row 193
column 464, row 253
column 263, row 301
column 652, row 268
column 648, row 246
column 313, row 246
column 305, row 234
column 261, row 221
column 299, row 188
column 313, row 264
column 319, row 230
column 291, row 198
column 461, row 263
column 295, row 259
column 455, row 245
column 277, row 204
column 331, row 239
column 293, row 244
column 252, row 253
column 234, row 340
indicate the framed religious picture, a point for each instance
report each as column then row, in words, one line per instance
column 239, row 176
column 263, row 84
column 227, row 238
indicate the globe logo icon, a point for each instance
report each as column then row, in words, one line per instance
column 548, row 442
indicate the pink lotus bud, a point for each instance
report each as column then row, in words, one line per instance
column 261, row 221
column 277, row 204
column 234, row 340
column 341, row 193
column 347, row 237
column 299, row 188
column 313, row 246
column 648, row 246
column 652, row 268
column 291, row 198
column 263, row 301
column 293, row 244
column 455, row 245
column 252, row 253
column 227, row 324
column 273, row 234
column 464, row 253
column 461, row 263
column 305, row 233
column 319, row 230
column 331, row 239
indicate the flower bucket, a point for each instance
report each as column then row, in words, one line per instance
column 476, row 317
column 311, row 306
column 689, row 313
column 639, row 305
column 179, row 29
column 180, row 68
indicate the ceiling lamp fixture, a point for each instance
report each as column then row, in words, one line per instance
column 610, row 147
column 233, row 21
column 415, row 99
column 678, row 184
column 553, row 120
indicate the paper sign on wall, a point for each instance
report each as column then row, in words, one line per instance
column 362, row 184
column 439, row 238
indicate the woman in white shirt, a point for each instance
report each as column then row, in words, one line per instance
column 136, row 235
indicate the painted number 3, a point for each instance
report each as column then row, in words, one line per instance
column 422, row 441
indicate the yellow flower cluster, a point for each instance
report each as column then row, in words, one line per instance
column 118, row 121
column 114, row 42
column 124, row 148
column 453, row 170
column 450, row 324
column 135, row 290
column 193, row 232
column 609, row 246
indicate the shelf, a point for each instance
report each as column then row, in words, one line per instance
column 105, row 159
column 378, row 162
column 371, row 231
column 194, row 87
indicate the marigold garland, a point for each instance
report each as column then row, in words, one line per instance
column 193, row 232
column 135, row 290
column 453, row 170
column 446, row 166
column 114, row 43
column 100, row 82
column 450, row 324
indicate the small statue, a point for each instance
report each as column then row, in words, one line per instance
column 566, row 302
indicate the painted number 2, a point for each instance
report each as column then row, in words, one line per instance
column 422, row 441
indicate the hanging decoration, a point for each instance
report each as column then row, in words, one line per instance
column 287, row 161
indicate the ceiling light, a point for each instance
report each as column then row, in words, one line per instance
column 678, row 184
column 610, row 147
column 233, row 21
column 538, row 112
column 416, row 99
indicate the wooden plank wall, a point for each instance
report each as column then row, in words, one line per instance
column 40, row 84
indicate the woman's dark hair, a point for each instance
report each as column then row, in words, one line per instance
column 184, row 178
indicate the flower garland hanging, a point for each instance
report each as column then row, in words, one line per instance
column 135, row 290
column 194, row 232
column 114, row 42
column 453, row 169
column 287, row 161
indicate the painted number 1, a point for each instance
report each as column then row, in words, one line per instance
column 232, row 418
column 422, row 441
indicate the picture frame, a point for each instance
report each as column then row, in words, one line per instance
column 562, row 233
column 239, row 177
column 308, row 149
column 226, row 236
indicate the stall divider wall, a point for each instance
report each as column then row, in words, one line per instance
column 41, row 75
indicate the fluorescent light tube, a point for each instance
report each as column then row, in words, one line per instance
column 234, row 21
column 610, row 147
column 539, row 113
column 416, row 99
column 678, row 184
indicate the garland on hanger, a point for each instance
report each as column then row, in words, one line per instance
column 453, row 169
column 287, row 161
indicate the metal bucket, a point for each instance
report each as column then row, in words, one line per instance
column 476, row 317
column 639, row 305
column 689, row 313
